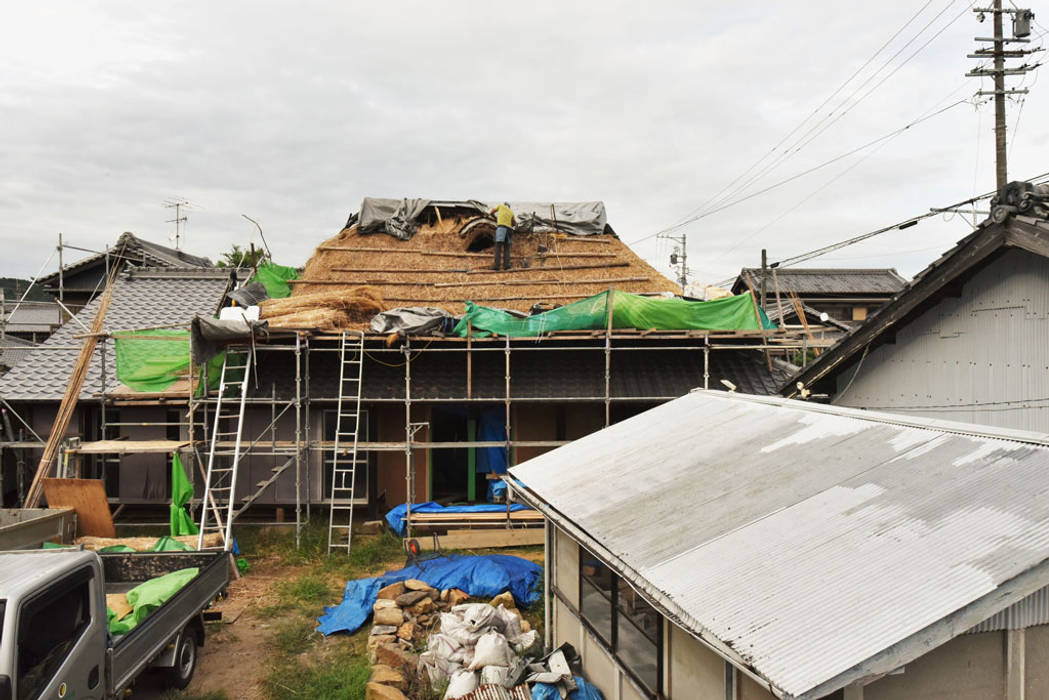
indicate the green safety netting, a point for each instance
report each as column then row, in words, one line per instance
column 181, row 492
column 151, row 360
column 628, row 311
column 275, row 279
column 147, row 597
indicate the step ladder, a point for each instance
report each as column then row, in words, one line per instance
column 347, row 423
column 220, row 485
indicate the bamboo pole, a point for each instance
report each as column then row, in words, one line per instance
column 69, row 400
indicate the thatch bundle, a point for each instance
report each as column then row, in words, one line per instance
column 445, row 264
column 327, row 310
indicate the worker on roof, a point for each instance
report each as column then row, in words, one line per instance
column 504, row 222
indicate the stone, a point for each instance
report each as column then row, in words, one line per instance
column 378, row 691
column 422, row 607
column 378, row 639
column 383, row 629
column 407, row 600
column 444, row 594
column 388, row 676
column 455, row 597
column 389, row 616
column 406, row 631
column 505, row 599
column 526, row 626
column 414, row 584
column 424, row 620
column 384, row 603
column 394, row 656
column 391, row 591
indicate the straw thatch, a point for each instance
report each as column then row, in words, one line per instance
column 446, row 264
column 325, row 310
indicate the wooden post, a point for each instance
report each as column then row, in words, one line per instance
column 757, row 317
column 610, row 305
column 764, row 275
column 779, row 306
column 508, row 401
column 469, row 360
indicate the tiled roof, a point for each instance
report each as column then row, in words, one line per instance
column 815, row 281
column 13, row 349
column 141, row 299
column 138, row 251
column 31, row 316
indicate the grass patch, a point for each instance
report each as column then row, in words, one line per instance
column 295, row 636
column 307, row 593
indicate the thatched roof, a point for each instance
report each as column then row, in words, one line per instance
column 446, row 264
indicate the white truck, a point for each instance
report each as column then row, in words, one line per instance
column 54, row 638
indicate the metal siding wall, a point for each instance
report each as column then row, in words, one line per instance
column 1032, row 610
column 989, row 345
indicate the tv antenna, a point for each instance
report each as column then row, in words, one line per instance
column 179, row 204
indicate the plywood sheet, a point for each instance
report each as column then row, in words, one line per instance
column 117, row 602
column 88, row 498
column 123, row 447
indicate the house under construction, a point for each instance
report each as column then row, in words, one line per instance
column 323, row 406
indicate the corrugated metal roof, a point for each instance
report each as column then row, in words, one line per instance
column 806, row 281
column 803, row 541
column 141, row 299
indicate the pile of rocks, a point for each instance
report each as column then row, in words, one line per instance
column 405, row 614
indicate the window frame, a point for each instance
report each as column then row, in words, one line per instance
column 612, row 645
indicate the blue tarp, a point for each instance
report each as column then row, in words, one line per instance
column 491, row 427
column 545, row 691
column 395, row 518
column 480, row 576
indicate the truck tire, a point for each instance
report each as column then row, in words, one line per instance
column 181, row 673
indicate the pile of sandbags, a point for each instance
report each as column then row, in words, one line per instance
column 477, row 645
column 323, row 311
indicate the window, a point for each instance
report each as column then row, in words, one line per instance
column 49, row 625
column 622, row 619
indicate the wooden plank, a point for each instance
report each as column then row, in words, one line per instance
column 520, row 515
column 484, row 539
column 459, row 270
column 124, row 447
column 455, row 254
column 88, row 498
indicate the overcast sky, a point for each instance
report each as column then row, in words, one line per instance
column 292, row 112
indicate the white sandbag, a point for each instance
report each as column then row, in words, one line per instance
column 491, row 650
column 495, row 675
column 510, row 623
column 524, row 640
column 475, row 615
column 466, row 637
column 462, row 683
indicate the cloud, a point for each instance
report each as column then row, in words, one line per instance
column 292, row 112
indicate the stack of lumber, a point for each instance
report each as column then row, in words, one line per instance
column 326, row 310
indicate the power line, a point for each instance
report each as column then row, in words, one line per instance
column 803, row 173
column 814, row 112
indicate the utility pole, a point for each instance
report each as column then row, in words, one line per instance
column 178, row 205
column 679, row 257
column 764, row 275
column 1021, row 30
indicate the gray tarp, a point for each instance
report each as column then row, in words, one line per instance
column 400, row 217
column 412, row 320
column 210, row 336
column 250, row 294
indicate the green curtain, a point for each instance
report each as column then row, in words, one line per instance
column 275, row 279
column 151, row 360
column 181, row 493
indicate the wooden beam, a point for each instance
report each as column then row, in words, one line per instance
column 604, row 280
column 455, row 254
column 460, row 271
column 431, row 301
column 483, row 539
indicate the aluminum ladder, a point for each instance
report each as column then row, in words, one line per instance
column 347, row 423
column 217, row 514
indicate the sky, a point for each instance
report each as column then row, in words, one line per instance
column 291, row 113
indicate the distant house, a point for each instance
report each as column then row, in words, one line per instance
column 965, row 340
column 31, row 321
column 845, row 294
column 730, row 546
column 80, row 281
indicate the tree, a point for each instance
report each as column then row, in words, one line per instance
column 237, row 257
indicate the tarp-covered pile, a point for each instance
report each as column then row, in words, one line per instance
column 482, row 576
column 628, row 311
column 395, row 518
column 126, row 611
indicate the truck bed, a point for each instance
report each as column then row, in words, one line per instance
column 123, row 571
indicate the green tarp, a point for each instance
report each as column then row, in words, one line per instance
column 181, row 492
column 275, row 279
column 628, row 311
column 151, row 360
column 147, row 597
